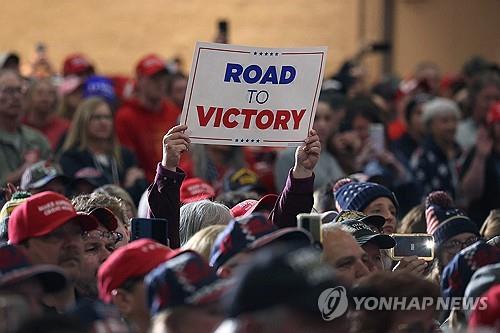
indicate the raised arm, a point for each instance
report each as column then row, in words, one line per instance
column 164, row 193
column 472, row 184
column 297, row 195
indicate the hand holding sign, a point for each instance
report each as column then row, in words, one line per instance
column 249, row 96
column 175, row 142
column 307, row 156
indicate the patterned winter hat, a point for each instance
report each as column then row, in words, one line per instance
column 445, row 221
column 7, row 209
column 237, row 237
column 457, row 274
column 352, row 195
column 186, row 279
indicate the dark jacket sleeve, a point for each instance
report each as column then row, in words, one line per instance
column 297, row 197
column 164, row 200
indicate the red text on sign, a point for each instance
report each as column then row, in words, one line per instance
column 243, row 118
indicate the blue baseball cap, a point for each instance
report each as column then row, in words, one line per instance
column 99, row 86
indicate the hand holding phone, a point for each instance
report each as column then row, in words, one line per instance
column 377, row 137
column 156, row 229
column 411, row 265
column 417, row 245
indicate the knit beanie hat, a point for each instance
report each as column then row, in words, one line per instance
column 445, row 221
column 458, row 273
column 352, row 195
column 17, row 199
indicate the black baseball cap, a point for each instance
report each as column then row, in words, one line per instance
column 243, row 180
column 40, row 174
column 363, row 233
column 376, row 221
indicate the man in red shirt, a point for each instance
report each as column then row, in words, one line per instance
column 142, row 121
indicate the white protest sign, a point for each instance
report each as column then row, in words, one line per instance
column 251, row 96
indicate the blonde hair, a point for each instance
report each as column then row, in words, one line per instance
column 63, row 109
column 491, row 226
column 78, row 132
column 203, row 240
column 120, row 193
column 413, row 221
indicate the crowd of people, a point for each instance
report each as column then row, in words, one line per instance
column 83, row 156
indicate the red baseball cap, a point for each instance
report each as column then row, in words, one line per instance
column 41, row 214
column 494, row 113
column 249, row 206
column 486, row 319
column 76, row 64
column 196, row 189
column 150, row 65
column 290, row 234
column 132, row 260
column 104, row 216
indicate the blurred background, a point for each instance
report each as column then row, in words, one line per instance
column 114, row 34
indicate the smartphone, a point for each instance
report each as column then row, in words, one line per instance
column 311, row 223
column 377, row 137
column 156, row 229
column 407, row 245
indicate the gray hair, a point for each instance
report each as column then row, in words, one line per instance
column 332, row 227
column 439, row 106
column 197, row 215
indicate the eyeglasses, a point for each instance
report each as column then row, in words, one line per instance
column 455, row 246
column 103, row 235
column 98, row 117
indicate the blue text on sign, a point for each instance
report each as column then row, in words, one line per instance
column 255, row 74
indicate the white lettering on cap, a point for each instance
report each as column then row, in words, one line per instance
column 151, row 247
column 196, row 189
column 362, row 226
column 55, row 206
column 152, row 62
